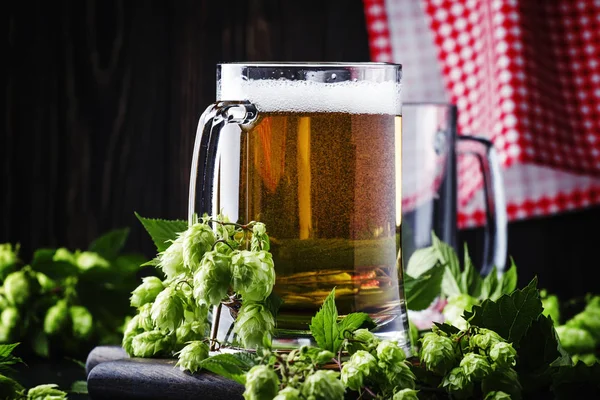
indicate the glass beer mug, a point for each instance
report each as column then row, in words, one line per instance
column 313, row 151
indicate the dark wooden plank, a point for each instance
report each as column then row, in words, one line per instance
column 157, row 379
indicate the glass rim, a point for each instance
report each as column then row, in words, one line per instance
column 312, row 64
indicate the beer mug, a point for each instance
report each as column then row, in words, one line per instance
column 430, row 149
column 313, row 151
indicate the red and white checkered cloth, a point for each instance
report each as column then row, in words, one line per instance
column 525, row 74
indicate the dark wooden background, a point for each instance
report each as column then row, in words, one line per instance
column 103, row 97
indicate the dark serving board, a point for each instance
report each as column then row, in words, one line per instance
column 111, row 374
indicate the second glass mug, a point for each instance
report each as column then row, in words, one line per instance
column 313, row 150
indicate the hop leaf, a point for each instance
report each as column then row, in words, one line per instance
column 253, row 274
column 406, row 394
column 197, row 240
column 46, row 392
column 475, row 366
column 497, row 395
column 148, row 344
column 191, row 356
column 288, row 393
column 88, row 259
column 458, row 384
column 213, row 278
column 82, row 322
column 437, row 353
column 57, row 318
column 503, row 354
column 505, row 380
column 260, row 239
column 167, row 310
column 170, row 261
column 323, row 385
column 17, row 288
column 360, row 366
column 262, row 383
column 146, row 292
column 253, row 322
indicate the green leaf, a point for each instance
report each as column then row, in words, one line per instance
column 162, row 231
column 450, row 286
column 42, row 262
column 323, row 326
column 470, row 280
column 447, row 256
column 577, row 382
column 420, row 292
column 490, row 285
column 511, row 315
column 6, row 351
column 128, row 264
column 509, row 278
column 421, row 261
column 79, row 387
column 273, row 303
column 230, row 366
column 110, row 244
column 539, row 350
column 447, row 328
column 350, row 323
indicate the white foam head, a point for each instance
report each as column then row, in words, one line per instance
column 353, row 97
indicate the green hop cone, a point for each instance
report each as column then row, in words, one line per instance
column 131, row 330
column 213, row 278
column 146, row 292
column 253, row 274
column 323, row 357
column 362, row 339
column 497, row 395
column 587, row 359
column 398, row 375
column 197, row 240
column 575, row 340
column 505, row 380
column 82, row 322
column 389, row 352
column 551, row 306
column 46, row 284
column 191, row 356
column 190, row 331
column 323, row 385
column 8, row 258
column 437, row 353
column 153, row 343
column 288, row 393
column 64, row 255
column 170, row 261
column 88, row 259
column 260, row 239
column 46, row 392
column 10, row 317
column 406, row 394
column 167, row 309
column 146, row 322
column 485, row 339
column 458, row 384
column 57, row 318
column 476, row 366
column 357, row 369
column 503, row 354
column 253, row 322
column 262, row 383
column 17, row 288
column 224, row 230
column 455, row 308
column 588, row 319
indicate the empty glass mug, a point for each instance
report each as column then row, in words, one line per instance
column 430, row 146
column 314, row 151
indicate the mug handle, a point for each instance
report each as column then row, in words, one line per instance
column 211, row 123
column 495, row 234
